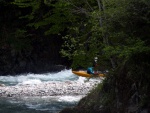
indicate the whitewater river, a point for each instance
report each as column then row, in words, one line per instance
column 42, row 93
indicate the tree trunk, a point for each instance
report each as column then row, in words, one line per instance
column 105, row 37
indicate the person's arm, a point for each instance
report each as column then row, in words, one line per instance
column 92, row 71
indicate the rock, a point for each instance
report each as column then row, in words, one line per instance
column 2, row 85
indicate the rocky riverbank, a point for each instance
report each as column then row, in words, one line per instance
column 48, row 89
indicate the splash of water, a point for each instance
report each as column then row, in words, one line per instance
column 30, row 78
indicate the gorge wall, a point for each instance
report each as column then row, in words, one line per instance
column 41, row 55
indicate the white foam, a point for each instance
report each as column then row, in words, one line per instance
column 70, row 98
column 82, row 79
column 30, row 82
column 63, row 75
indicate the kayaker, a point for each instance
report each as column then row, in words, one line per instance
column 95, row 62
column 90, row 70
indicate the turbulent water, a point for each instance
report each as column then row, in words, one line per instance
column 38, row 104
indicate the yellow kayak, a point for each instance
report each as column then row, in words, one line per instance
column 85, row 74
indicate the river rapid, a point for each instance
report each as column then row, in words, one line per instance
column 42, row 93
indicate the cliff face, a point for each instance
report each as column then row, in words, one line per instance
column 42, row 55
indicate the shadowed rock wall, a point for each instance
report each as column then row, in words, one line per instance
column 41, row 56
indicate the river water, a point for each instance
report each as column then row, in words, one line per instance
column 38, row 104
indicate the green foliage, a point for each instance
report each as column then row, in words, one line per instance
column 126, row 51
column 59, row 19
column 54, row 16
